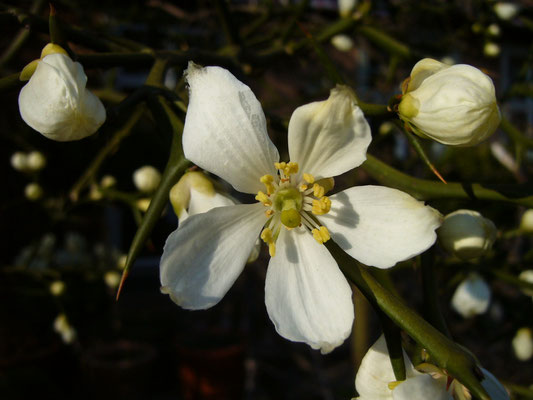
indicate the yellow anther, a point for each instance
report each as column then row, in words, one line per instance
column 269, row 213
column 268, row 180
column 263, row 198
column 309, row 178
column 280, row 165
column 302, row 187
column 321, row 235
column 291, row 168
column 272, row 249
column 318, row 191
column 322, row 206
column 266, row 235
column 392, row 385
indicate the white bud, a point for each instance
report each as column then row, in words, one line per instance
column 506, row 11
column 112, row 279
column 342, row 42
column 472, row 297
column 144, row 203
column 491, row 49
column 194, row 194
column 454, row 105
column 36, row 161
column 346, row 7
column 56, row 103
column 33, row 191
column 63, row 327
column 493, row 30
column 386, row 128
column 57, row 288
column 523, row 344
column 448, row 60
column 466, row 234
column 19, row 161
column 108, row 181
column 527, row 276
column 526, row 223
column 146, row 179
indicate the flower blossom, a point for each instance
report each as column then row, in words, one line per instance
column 55, row 101
column 375, row 380
column 306, row 295
column 454, row 105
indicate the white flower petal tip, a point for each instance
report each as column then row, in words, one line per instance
column 329, row 137
column 380, row 226
column 307, row 297
column 206, row 254
column 472, row 297
column 467, row 234
column 454, row 105
column 56, row 103
column 225, row 129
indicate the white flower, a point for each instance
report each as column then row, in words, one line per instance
column 306, row 295
column 56, row 103
column 472, row 296
column 523, row 344
column 505, row 10
column 467, row 234
column 454, row 105
column 375, row 380
column 33, row 191
column 146, row 179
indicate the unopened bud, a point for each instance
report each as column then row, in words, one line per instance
column 36, row 161
column 33, row 191
column 472, row 297
column 108, row 181
column 112, row 279
column 342, row 42
column 467, row 234
column 491, row 49
column 523, row 344
column 147, row 179
column 526, row 223
column 57, row 288
column 506, row 10
column 19, row 161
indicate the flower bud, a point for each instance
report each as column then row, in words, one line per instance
column 505, row 10
column 491, row 49
column 33, row 191
column 112, row 279
column 466, row 234
column 57, row 288
column 342, row 42
column 194, row 194
column 144, row 203
column 56, row 103
column 36, row 161
column 108, row 181
column 147, row 179
column 63, row 327
column 346, row 7
column 526, row 223
column 494, row 30
column 527, row 276
column 472, row 296
column 523, row 344
column 454, row 105
column 19, row 161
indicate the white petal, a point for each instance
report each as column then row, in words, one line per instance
column 493, row 387
column 328, row 138
column 56, row 103
column 201, row 202
column 375, row 372
column 422, row 387
column 225, row 129
column 306, row 295
column 206, row 254
column 380, row 226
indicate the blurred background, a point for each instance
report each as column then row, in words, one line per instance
column 63, row 334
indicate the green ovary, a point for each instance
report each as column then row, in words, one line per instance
column 288, row 201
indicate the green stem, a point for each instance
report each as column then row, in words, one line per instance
column 430, row 292
column 375, row 110
column 386, row 42
column 394, row 345
column 447, row 354
column 424, row 189
column 11, row 82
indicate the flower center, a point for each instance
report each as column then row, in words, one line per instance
column 291, row 204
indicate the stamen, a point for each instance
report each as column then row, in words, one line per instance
column 263, row 198
column 321, row 206
column 269, row 213
column 308, row 221
column 286, row 169
column 302, row 187
column 321, row 235
column 318, row 191
column 268, row 238
column 309, row 178
column 268, row 181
